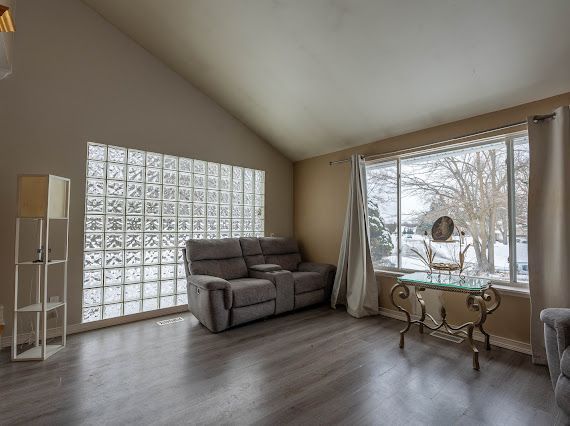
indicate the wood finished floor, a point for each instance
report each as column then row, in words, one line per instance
column 317, row 366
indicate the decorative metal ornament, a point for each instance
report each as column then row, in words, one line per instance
column 442, row 229
column 442, row 232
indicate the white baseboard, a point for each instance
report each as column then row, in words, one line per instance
column 502, row 342
column 88, row 326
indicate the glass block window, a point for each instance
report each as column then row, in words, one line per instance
column 141, row 208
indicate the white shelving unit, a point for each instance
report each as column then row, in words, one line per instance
column 42, row 199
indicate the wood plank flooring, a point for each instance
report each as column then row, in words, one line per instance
column 317, row 366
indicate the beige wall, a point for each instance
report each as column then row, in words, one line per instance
column 6, row 41
column 77, row 79
column 320, row 194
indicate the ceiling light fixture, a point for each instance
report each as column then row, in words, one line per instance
column 6, row 22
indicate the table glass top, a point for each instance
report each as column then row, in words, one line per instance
column 446, row 281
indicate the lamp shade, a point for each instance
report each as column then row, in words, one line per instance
column 43, row 196
column 6, row 21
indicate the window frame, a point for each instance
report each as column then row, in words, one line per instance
column 508, row 140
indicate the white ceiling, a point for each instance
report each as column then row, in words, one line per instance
column 317, row 76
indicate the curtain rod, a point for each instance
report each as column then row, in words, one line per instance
column 536, row 119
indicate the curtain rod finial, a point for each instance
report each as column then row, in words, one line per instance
column 538, row 118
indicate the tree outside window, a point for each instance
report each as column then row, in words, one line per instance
column 471, row 185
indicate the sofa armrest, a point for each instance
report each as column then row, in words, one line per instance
column 321, row 268
column 211, row 283
column 284, row 287
column 559, row 320
column 208, row 282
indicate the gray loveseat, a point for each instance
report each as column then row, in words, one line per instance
column 557, row 339
column 232, row 281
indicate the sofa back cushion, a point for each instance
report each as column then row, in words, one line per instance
column 219, row 258
column 281, row 251
column 251, row 251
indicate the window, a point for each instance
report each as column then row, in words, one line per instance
column 141, row 208
column 483, row 186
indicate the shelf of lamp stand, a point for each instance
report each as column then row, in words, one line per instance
column 42, row 218
column 35, row 353
column 38, row 307
column 51, row 262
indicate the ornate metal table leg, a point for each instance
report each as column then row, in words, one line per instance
column 422, row 303
column 404, row 294
column 473, row 348
column 487, row 337
column 487, row 297
column 476, row 303
column 443, row 314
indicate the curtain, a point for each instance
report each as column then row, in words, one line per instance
column 355, row 285
column 548, row 221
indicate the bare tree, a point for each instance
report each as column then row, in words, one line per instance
column 471, row 187
column 521, row 168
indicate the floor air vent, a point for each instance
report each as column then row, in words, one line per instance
column 448, row 337
column 170, row 321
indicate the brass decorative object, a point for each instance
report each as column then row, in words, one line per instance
column 429, row 255
column 442, row 229
column 462, row 251
column 442, row 233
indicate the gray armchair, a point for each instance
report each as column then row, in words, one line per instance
column 557, row 342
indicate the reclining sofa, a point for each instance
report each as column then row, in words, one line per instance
column 232, row 281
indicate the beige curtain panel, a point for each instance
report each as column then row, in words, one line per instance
column 548, row 221
column 355, row 285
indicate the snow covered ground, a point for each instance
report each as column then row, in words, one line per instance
column 449, row 252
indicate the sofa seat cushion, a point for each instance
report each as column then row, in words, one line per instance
column 249, row 291
column 307, row 281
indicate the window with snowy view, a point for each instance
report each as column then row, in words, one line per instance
column 482, row 186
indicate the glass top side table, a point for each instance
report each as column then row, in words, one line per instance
column 479, row 293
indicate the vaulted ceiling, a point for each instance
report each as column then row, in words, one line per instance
column 317, row 76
